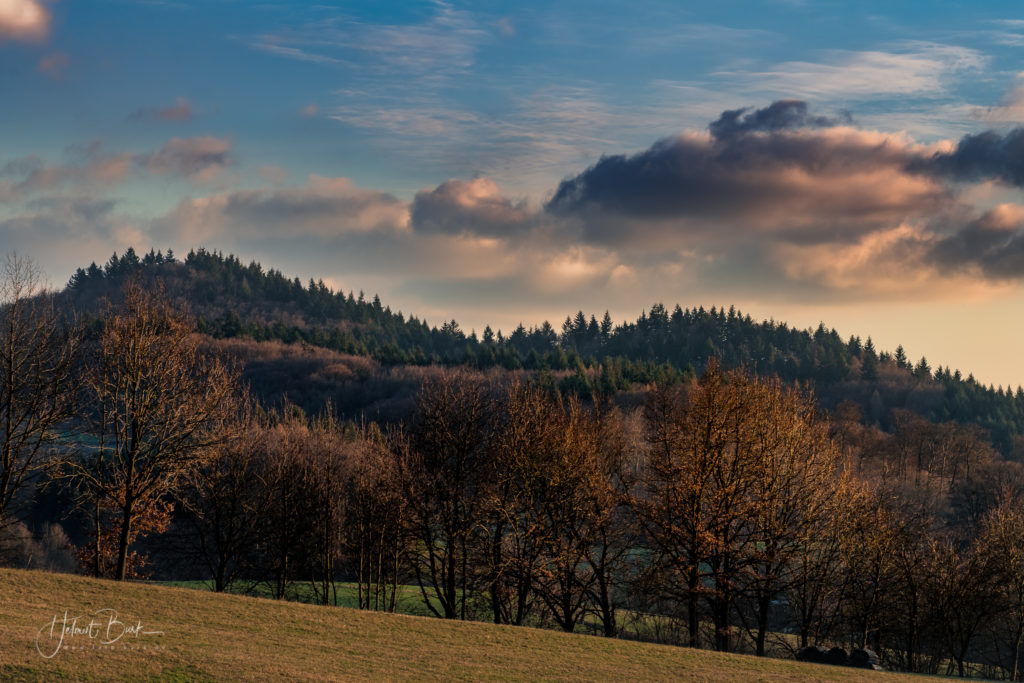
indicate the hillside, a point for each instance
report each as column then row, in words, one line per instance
column 208, row 636
column 364, row 340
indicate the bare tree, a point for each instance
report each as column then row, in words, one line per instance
column 374, row 513
column 796, row 484
column 444, row 481
column 1002, row 544
column 221, row 501
column 37, row 351
column 522, row 429
column 158, row 408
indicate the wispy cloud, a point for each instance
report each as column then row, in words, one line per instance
column 1010, row 108
column 181, row 110
column 272, row 44
column 445, row 42
column 918, row 69
column 199, row 159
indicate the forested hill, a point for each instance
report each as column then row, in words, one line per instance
column 586, row 355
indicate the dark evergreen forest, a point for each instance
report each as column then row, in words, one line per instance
column 586, row 356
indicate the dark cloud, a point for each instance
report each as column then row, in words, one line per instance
column 992, row 245
column 472, row 207
column 779, row 115
column 983, row 156
column 793, row 173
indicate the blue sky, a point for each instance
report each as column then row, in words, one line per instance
column 418, row 150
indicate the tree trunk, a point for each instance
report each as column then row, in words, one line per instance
column 763, row 607
column 126, row 526
column 693, row 622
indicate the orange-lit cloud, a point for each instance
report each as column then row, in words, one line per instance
column 475, row 206
column 24, row 20
column 324, row 208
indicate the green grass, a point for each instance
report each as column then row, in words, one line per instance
column 210, row 636
column 410, row 599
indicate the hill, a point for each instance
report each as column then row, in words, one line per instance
column 235, row 301
column 209, row 636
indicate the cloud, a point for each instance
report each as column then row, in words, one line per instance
column 310, row 110
column 992, row 246
column 270, row 44
column 24, row 20
column 275, row 175
column 506, row 27
column 780, row 115
column 324, row 208
column 771, row 170
column 436, row 48
column 181, row 110
column 54, row 65
column 70, row 231
column 919, row 69
column 1010, row 108
column 783, row 199
column 199, row 158
column 98, row 170
column 471, row 207
column 988, row 155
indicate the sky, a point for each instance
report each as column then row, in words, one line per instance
column 857, row 164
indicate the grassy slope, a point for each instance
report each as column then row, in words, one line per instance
column 228, row 637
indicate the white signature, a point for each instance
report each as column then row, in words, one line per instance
column 102, row 628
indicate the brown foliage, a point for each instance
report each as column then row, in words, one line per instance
column 158, row 408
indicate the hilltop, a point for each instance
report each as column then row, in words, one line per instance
column 311, row 346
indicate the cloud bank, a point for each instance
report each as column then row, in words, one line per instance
column 784, row 201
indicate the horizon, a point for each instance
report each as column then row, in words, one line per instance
column 854, row 166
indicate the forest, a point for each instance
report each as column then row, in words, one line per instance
column 694, row 477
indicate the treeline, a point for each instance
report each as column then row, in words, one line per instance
column 231, row 299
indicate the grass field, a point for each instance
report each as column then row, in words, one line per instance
column 209, row 636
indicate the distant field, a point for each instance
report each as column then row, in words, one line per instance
column 209, row 636
column 409, row 599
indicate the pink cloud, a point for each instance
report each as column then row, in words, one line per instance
column 200, row 158
column 24, row 20
column 54, row 65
